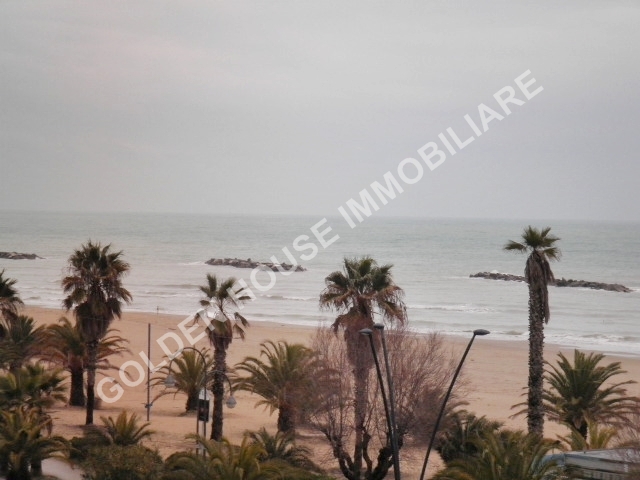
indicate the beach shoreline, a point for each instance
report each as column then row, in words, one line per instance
column 494, row 377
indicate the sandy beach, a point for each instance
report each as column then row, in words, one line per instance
column 494, row 375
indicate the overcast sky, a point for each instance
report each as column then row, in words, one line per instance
column 294, row 107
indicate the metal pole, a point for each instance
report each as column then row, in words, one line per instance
column 394, row 438
column 446, row 398
column 148, row 405
column 369, row 333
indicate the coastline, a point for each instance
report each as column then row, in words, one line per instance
column 493, row 379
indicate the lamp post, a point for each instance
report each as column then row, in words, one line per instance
column 389, row 411
column 170, row 381
column 478, row 332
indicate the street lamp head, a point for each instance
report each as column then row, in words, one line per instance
column 170, row 381
column 481, row 332
column 366, row 331
column 378, row 326
column 231, row 401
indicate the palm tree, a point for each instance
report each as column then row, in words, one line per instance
column 282, row 447
column 22, row 441
column 283, row 380
column 64, row 345
column 189, row 373
column 222, row 329
column 578, row 395
column 598, row 437
column 357, row 293
column 125, row 430
column 22, row 341
column 225, row 461
column 504, row 455
column 9, row 299
column 540, row 246
column 95, row 292
column 461, row 439
column 32, row 385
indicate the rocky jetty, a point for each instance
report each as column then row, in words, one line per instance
column 248, row 263
column 18, row 256
column 562, row 282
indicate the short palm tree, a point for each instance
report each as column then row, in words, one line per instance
column 540, row 246
column 32, row 385
column 189, row 373
column 25, row 436
column 504, row 456
column 125, row 430
column 599, row 437
column 225, row 324
column 95, row 293
column 10, row 300
column 461, row 439
column 21, row 342
column 222, row 460
column 358, row 292
column 283, row 379
column 583, row 392
column 63, row 345
column 282, row 447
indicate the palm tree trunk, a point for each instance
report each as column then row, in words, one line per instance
column 192, row 401
column 535, row 411
column 286, row 418
column 362, row 360
column 76, row 395
column 220, row 366
column 92, row 350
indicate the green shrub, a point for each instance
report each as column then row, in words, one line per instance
column 115, row 462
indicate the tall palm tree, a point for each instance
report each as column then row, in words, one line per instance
column 225, row 324
column 283, row 379
column 64, row 345
column 95, row 292
column 9, row 299
column 189, row 373
column 540, row 246
column 583, row 392
column 357, row 293
column 22, row 341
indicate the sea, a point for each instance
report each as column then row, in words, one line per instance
column 432, row 260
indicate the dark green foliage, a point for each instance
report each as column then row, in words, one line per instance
column 189, row 373
column 10, row 300
column 505, row 455
column 283, row 377
column 116, row 462
column 282, row 446
column 583, row 392
column 462, row 438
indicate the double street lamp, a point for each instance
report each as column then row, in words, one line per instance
column 389, row 404
column 170, row 381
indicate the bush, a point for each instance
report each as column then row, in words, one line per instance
column 115, row 462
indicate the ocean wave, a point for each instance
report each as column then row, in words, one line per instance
column 453, row 308
column 289, row 297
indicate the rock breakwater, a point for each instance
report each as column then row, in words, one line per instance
column 248, row 263
column 18, row 256
column 562, row 282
